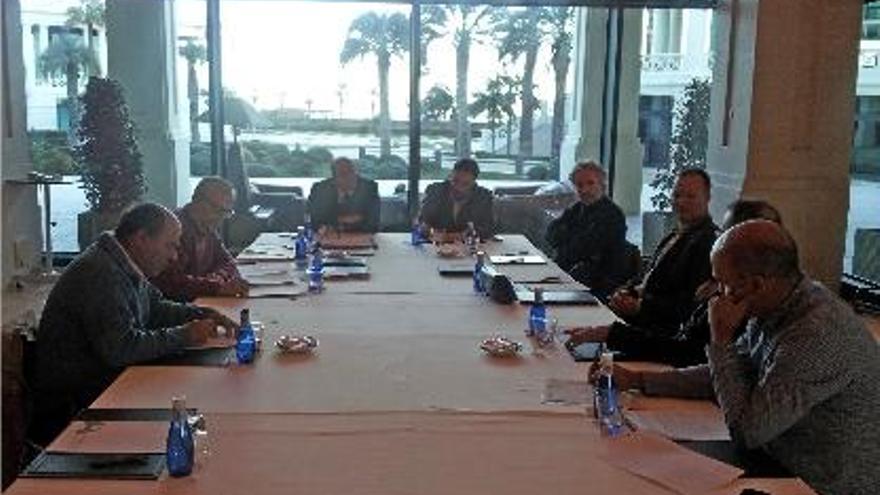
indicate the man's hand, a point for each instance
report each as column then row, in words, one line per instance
column 233, row 288
column 198, row 331
column 625, row 302
column 725, row 316
column 579, row 335
column 218, row 318
column 624, row 378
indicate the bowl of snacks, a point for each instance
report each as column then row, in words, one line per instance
column 501, row 347
column 296, row 344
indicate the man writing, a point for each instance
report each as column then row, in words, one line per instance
column 103, row 315
column 450, row 205
column 346, row 202
column 203, row 267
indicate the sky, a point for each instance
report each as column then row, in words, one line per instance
column 288, row 51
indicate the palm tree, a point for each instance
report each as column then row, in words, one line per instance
column 68, row 57
column 437, row 103
column 194, row 54
column 496, row 101
column 383, row 36
column 560, row 21
column 90, row 14
column 519, row 35
column 469, row 24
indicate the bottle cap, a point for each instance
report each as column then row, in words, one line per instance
column 606, row 360
column 178, row 403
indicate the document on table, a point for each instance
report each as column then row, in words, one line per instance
column 268, row 274
column 567, row 392
column 513, row 259
column 678, row 419
column 663, row 461
column 287, row 290
column 265, row 253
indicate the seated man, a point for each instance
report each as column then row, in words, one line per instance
column 666, row 298
column 686, row 347
column 589, row 236
column 103, row 315
column 802, row 382
column 204, row 267
column 449, row 205
column 346, row 201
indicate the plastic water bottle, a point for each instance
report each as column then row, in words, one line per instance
column 471, row 238
column 179, row 447
column 316, row 272
column 300, row 248
column 479, row 287
column 605, row 397
column 416, row 237
column 537, row 315
column 246, row 344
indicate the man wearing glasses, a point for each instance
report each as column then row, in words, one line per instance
column 204, row 267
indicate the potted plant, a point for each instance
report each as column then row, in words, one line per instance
column 690, row 138
column 107, row 158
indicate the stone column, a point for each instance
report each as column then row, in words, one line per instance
column 21, row 236
column 141, row 55
column 782, row 107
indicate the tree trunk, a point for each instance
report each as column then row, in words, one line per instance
column 72, row 80
column 463, row 126
column 192, row 91
column 560, row 67
column 526, row 124
column 492, row 126
column 509, row 132
column 384, row 112
column 91, row 40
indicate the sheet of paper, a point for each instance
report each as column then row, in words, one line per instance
column 672, row 466
column 517, row 260
column 700, row 420
column 567, row 392
column 287, row 290
column 265, row 253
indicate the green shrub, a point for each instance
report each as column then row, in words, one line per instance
column 199, row 159
column 50, row 153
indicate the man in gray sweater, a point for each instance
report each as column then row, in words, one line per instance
column 103, row 315
column 802, row 382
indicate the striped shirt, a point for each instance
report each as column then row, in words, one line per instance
column 804, row 384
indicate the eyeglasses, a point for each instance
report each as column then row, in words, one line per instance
column 227, row 212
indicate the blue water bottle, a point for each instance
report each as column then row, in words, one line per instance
column 470, row 237
column 179, row 446
column 310, row 234
column 416, row 237
column 605, row 397
column 316, row 272
column 479, row 287
column 300, row 248
column 246, row 344
column 537, row 315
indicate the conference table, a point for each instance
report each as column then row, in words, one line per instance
column 397, row 397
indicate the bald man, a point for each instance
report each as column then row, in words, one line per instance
column 102, row 315
column 203, row 266
column 803, row 381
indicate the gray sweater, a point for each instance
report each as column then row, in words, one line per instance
column 804, row 384
column 101, row 316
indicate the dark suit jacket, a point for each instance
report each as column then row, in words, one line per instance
column 589, row 244
column 660, row 331
column 325, row 206
column 437, row 210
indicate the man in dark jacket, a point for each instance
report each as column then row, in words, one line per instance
column 450, row 205
column 345, row 202
column 667, row 296
column 103, row 315
column 589, row 236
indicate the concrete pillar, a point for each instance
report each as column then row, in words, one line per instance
column 141, row 55
column 781, row 125
column 21, row 237
column 587, row 102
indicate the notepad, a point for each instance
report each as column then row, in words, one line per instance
column 517, row 259
column 107, row 466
